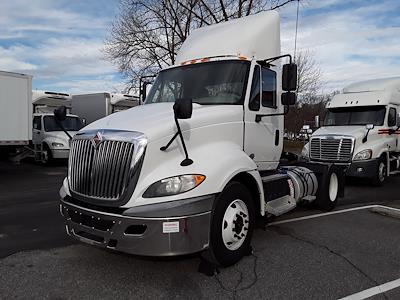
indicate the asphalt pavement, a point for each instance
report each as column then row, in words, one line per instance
column 322, row 258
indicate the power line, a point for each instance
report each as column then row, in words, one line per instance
column 297, row 25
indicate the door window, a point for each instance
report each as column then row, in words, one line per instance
column 254, row 103
column 268, row 88
column 392, row 117
column 37, row 124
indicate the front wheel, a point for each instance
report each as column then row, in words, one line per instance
column 232, row 224
column 380, row 173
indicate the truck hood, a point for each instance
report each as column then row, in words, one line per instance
column 157, row 120
column 354, row 131
column 59, row 135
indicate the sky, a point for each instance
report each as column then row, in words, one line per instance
column 61, row 42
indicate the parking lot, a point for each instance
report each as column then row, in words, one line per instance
column 326, row 257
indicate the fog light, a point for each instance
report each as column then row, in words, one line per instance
column 359, row 170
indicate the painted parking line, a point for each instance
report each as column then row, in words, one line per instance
column 335, row 213
column 376, row 290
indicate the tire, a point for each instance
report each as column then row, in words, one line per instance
column 48, row 157
column 229, row 236
column 328, row 190
column 380, row 173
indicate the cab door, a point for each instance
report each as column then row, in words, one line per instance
column 263, row 135
column 37, row 135
column 392, row 124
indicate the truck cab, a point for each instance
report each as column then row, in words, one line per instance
column 194, row 167
column 48, row 137
column 360, row 130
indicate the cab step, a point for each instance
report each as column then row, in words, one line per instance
column 280, row 205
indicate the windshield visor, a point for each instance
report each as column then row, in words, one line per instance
column 360, row 115
column 212, row 83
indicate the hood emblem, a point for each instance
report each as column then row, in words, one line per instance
column 97, row 139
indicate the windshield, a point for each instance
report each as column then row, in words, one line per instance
column 361, row 115
column 70, row 124
column 221, row 82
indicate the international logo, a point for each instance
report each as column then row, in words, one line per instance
column 97, row 139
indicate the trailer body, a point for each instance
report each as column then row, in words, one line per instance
column 16, row 109
column 92, row 107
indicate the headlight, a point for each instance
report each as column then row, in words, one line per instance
column 306, row 151
column 57, row 144
column 363, row 155
column 174, row 185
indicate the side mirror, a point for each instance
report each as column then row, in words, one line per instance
column 83, row 120
column 288, row 98
column 60, row 113
column 398, row 120
column 369, row 126
column 183, row 108
column 289, row 77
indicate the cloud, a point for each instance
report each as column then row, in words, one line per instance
column 351, row 43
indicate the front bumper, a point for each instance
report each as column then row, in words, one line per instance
column 60, row 153
column 363, row 169
column 166, row 229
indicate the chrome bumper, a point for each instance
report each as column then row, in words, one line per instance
column 60, row 153
column 148, row 236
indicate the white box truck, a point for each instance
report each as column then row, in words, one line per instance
column 92, row 107
column 361, row 131
column 16, row 111
column 49, row 139
column 192, row 168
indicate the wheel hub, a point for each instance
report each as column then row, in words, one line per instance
column 235, row 224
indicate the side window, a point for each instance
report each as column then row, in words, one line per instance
column 392, row 117
column 254, row 103
column 268, row 88
column 37, row 124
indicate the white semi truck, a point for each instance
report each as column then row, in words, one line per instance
column 92, row 107
column 196, row 165
column 361, row 131
column 49, row 139
column 15, row 111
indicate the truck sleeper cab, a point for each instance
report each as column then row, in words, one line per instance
column 360, row 131
column 192, row 168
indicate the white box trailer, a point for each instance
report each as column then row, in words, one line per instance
column 92, row 107
column 16, row 109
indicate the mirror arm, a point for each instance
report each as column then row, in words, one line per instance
column 391, row 131
column 285, row 112
column 187, row 161
column 270, row 60
column 365, row 138
column 63, row 129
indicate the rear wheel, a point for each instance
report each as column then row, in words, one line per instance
column 232, row 224
column 380, row 173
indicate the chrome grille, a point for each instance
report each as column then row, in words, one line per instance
column 331, row 149
column 100, row 172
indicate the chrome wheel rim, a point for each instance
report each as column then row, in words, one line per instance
column 235, row 225
column 382, row 172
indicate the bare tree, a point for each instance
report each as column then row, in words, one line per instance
column 311, row 102
column 147, row 34
column 308, row 77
